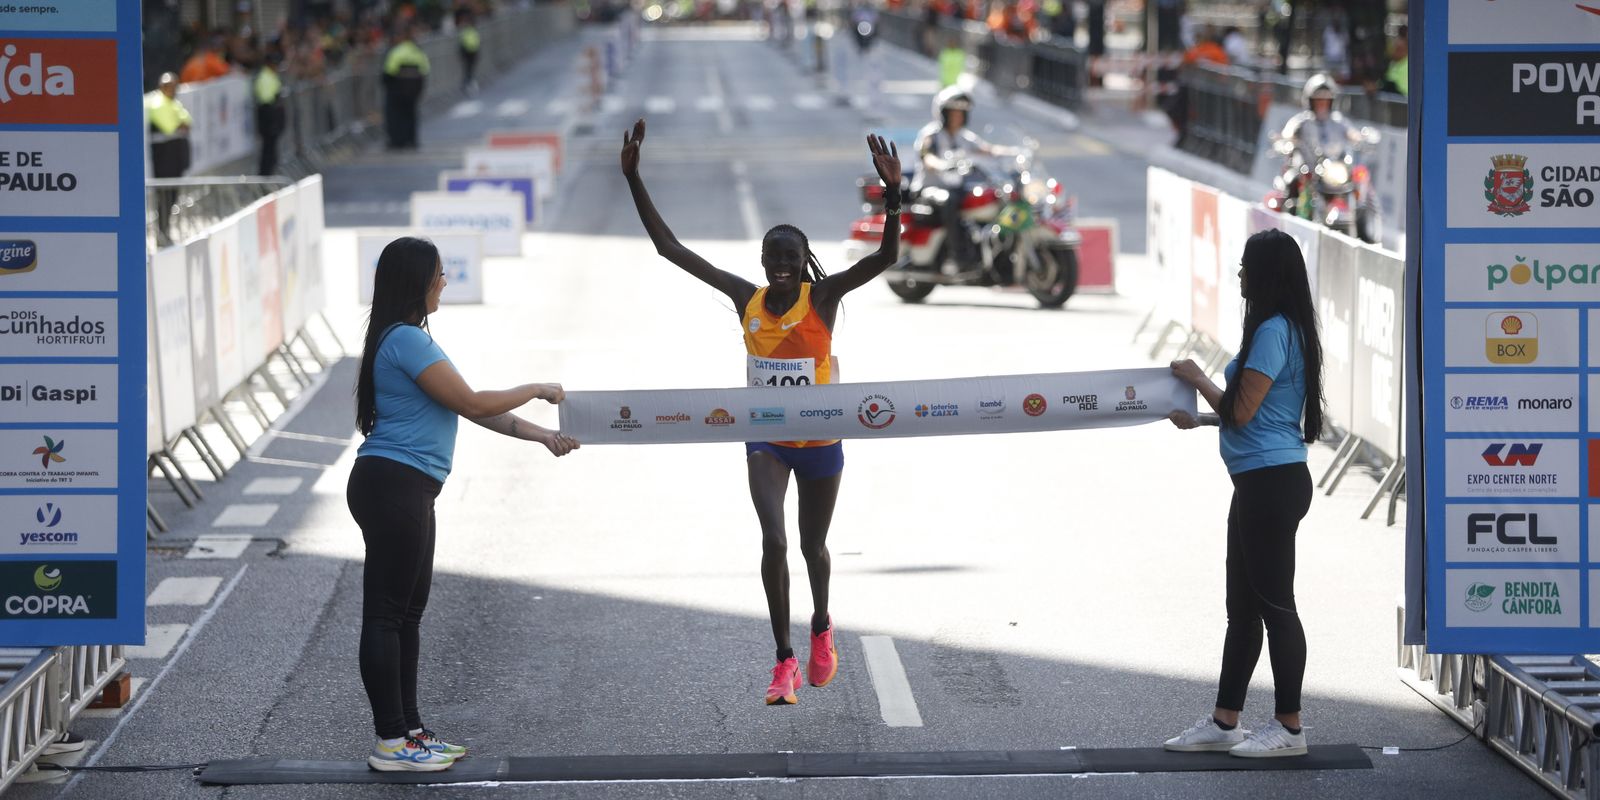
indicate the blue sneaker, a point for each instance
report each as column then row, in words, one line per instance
column 441, row 746
column 411, row 755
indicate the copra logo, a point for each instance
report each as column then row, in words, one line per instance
column 47, row 579
column 1521, row 272
column 18, row 256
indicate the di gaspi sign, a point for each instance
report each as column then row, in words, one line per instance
column 73, row 325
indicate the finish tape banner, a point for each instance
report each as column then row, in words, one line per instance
column 945, row 407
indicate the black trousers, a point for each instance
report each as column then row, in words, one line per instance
column 393, row 504
column 270, row 122
column 1268, row 505
column 469, row 67
column 400, row 97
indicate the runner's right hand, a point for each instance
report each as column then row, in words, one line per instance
column 630, row 148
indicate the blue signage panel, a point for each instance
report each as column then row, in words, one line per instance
column 73, row 326
column 523, row 185
column 1508, row 169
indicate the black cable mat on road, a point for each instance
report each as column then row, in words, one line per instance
column 778, row 765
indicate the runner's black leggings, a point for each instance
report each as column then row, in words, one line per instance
column 393, row 504
column 1268, row 505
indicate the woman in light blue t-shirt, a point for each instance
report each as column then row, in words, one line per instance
column 1269, row 411
column 408, row 396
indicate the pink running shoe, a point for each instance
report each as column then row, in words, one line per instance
column 785, row 680
column 824, row 661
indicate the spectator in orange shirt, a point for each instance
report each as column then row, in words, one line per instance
column 1206, row 49
column 1011, row 21
column 206, row 63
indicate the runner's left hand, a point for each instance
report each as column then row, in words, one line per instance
column 885, row 159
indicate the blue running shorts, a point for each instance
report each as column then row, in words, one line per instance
column 808, row 463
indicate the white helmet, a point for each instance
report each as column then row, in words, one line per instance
column 1319, row 87
column 951, row 98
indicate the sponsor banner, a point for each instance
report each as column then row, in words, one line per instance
column 1538, row 273
column 520, row 139
column 58, row 81
column 89, row 16
column 1204, row 261
column 1525, row 94
column 461, row 182
column 461, row 253
column 496, row 215
column 1233, row 228
column 291, row 251
column 202, row 324
column 54, row 458
column 1512, row 598
column 58, row 328
column 1509, row 23
column 1168, row 203
column 1478, row 403
column 252, row 325
column 534, row 162
column 308, row 199
column 996, row 404
column 1522, row 185
column 1513, row 533
column 1511, row 337
column 270, row 274
column 58, row 262
column 49, row 524
column 1378, row 342
column 1511, row 467
column 169, row 291
column 226, row 305
column 58, row 590
column 52, row 393
column 224, row 127
column 155, row 438
column 59, row 174
column 1335, row 291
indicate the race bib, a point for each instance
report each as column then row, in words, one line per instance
column 763, row 371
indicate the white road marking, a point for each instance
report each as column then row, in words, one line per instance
column 158, row 641
column 660, row 105
column 107, row 713
column 184, row 591
column 895, row 703
column 245, row 515
column 559, row 107
column 611, row 104
column 511, row 108
column 809, row 102
column 719, row 97
column 747, row 201
column 760, row 102
column 470, row 108
column 712, row 103
column 138, row 701
column 274, row 486
column 905, row 101
column 227, row 545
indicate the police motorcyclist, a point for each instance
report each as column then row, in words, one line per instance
column 943, row 147
column 1319, row 129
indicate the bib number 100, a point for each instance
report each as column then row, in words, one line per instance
column 784, row 380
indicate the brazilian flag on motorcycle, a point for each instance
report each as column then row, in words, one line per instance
column 1015, row 217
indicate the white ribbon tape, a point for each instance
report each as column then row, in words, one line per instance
column 997, row 404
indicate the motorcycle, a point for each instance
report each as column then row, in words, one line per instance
column 1330, row 186
column 1020, row 219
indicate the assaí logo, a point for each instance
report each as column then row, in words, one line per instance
column 1523, row 271
column 18, row 256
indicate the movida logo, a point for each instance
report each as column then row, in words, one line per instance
column 58, row 81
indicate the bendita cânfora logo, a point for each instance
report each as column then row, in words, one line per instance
column 1478, row 595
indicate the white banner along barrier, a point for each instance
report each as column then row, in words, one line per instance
column 461, row 253
column 224, row 128
column 496, row 215
column 535, row 161
column 943, row 407
column 169, row 295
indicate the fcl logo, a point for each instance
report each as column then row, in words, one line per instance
column 1509, row 186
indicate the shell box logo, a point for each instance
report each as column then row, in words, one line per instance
column 1511, row 337
column 1509, row 186
column 58, row 81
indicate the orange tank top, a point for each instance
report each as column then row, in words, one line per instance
column 795, row 349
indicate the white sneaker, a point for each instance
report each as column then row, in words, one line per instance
column 1205, row 736
column 1271, row 742
column 411, row 755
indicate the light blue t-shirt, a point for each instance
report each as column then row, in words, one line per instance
column 411, row 427
column 1274, row 436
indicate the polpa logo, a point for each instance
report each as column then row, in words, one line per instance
column 1521, row 272
column 1478, row 595
column 47, row 578
column 18, row 256
column 51, row 451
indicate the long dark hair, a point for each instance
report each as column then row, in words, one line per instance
column 814, row 271
column 406, row 271
column 1275, row 283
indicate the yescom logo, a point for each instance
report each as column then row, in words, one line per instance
column 58, row 81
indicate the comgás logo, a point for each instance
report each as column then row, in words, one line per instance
column 875, row 411
column 77, row 589
column 720, row 416
column 823, row 414
column 1034, row 404
column 18, row 256
column 58, row 81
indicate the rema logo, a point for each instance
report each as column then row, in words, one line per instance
column 18, row 256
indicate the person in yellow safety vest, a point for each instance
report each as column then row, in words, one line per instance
column 169, row 143
column 405, row 72
column 470, row 41
column 270, row 115
column 952, row 62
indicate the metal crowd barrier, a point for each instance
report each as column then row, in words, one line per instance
column 1051, row 70
column 198, row 203
column 1536, row 711
column 41, row 691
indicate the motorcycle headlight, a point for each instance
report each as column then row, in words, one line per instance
column 1035, row 192
column 1335, row 173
